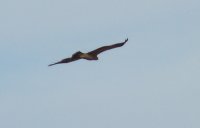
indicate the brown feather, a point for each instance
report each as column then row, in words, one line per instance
column 105, row 48
column 92, row 55
column 67, row 60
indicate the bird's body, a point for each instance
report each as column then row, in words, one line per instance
column 90, row 55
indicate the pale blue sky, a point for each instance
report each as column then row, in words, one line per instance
column 151, row 82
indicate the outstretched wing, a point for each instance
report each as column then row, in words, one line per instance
column 67, row 60
column 104, row 48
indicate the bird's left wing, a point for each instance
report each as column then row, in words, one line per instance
column 67, row 60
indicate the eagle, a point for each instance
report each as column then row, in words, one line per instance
column 92, row 55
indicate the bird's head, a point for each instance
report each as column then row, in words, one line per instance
column 77, row 54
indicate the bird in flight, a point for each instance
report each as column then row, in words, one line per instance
column 92, row 55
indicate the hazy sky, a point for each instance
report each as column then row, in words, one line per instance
column 151, row 82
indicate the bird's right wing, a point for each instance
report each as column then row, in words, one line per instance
column 105, row 48
column 67, row 60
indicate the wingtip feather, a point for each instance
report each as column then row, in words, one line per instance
column 126, row 40
column 53, row 64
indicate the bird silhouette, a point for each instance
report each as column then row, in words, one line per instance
column 92, row 55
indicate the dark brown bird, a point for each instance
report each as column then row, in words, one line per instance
column 92, row 55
